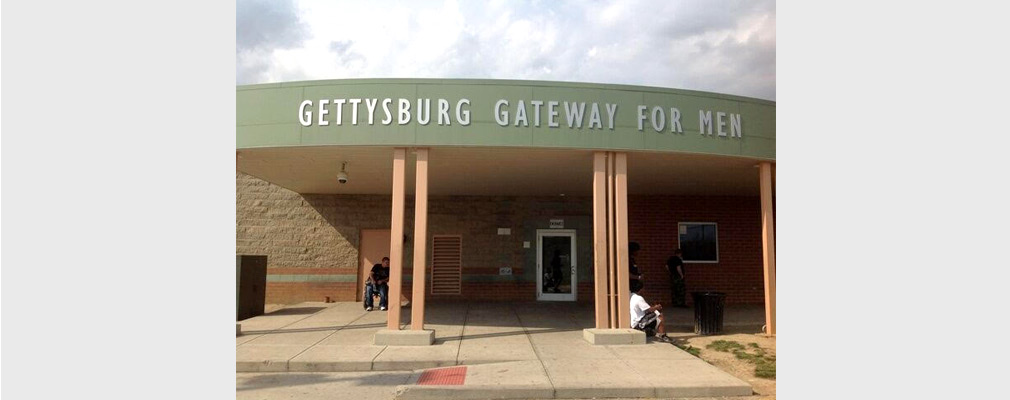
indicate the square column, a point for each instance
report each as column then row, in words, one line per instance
column 392, row 335
column 396, row 240
column 420, row 240
column 768, row 245
column 621, row 229
column 611, row 245
column 600, row 239
column 610, row 252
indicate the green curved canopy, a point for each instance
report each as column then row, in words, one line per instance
column 503, row 113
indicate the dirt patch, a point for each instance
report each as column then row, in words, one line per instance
column 764, row 388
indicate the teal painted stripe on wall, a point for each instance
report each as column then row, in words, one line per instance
column 312, row 278
column 406, row 279
column 495, row 278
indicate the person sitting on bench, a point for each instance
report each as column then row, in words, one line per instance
column 378, row 282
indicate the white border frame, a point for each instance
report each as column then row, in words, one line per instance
column 541, row 296
column 716, row 241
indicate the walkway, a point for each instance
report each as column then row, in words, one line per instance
column 519, row 350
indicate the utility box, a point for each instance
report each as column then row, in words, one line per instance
column 251, row 281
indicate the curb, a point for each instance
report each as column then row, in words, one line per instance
column 432, row 392
column 350, row 366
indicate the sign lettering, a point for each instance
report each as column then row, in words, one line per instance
column 517, row 113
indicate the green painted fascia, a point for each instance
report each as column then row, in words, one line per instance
column 267, row 116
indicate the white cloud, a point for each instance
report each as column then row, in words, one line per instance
column 725, row 46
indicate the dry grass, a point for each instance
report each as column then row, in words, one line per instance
column 738, row 353
column 764, row 363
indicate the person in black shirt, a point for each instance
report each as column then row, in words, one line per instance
column 675, row 265
column 378, row 282
column 635, row 274
column 556, row 274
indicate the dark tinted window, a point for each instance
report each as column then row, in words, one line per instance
column 699, row 242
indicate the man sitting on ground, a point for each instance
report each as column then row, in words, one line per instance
column 378, row 283
column 644, row 317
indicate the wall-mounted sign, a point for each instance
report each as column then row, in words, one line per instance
column 505, row 271
column 504, row 231
column 557, row 224
column 514, row 113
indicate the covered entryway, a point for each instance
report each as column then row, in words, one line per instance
column 493, row 161
column 502, row 201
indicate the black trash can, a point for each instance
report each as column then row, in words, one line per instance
column 708, row 308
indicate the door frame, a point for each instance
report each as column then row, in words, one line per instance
column 541, row 233
column 362, row 275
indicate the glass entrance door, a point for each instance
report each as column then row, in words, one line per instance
column 556, row 266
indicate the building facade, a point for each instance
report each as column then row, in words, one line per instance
column 519, row 190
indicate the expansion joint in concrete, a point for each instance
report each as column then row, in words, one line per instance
column 372, row 363
column 466, row 315
column 540, row 358
column 325, row 337
column 275, row 329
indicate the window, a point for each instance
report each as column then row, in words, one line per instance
column 699, row 241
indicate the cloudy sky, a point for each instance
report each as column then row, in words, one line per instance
column 725, row 46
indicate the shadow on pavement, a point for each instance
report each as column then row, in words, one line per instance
column 287, row 379
column 296, row 311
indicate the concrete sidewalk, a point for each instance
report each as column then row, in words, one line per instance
column 519, row 350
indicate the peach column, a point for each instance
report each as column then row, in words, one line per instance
column 600, row 239
column 396, row 240
column 621, row 222
column 768, row 241
column 420, row 240
column 611, row 242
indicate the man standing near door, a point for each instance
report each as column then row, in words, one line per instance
column 378, row 283
column 675, row 265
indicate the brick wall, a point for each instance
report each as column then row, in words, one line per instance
column 312, row 241
column 652, row 222
column 297, row 292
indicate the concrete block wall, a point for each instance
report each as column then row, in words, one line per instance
column 312, row 241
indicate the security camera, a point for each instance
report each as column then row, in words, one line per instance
column 342, row 176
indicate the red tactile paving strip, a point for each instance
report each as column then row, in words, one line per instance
column 443, row 376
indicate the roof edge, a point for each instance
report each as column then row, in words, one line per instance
column 512, row 82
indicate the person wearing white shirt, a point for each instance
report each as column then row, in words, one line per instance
column 645, row 317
